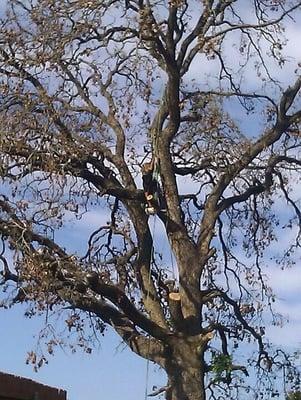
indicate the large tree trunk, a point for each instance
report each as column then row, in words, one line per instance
column 185, row 370
column 185, row 383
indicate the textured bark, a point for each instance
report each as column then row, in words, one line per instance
column 185, row 373
column 186, row 384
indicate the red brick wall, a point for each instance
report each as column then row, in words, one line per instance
column 17, row 388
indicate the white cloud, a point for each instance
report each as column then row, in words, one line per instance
column 206, row 71
column 288, row 336
column 287, row 287
column 293, row 34
column 286, row 282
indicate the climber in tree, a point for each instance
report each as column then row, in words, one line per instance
column 151, row 187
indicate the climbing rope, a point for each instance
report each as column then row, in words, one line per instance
column 153, row 231
column 147, row 374
column 146, row 300
column 172, row 265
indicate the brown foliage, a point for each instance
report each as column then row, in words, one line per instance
column 89, row 91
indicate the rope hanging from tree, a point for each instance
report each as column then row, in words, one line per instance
column 146, row 300
column 174, row 295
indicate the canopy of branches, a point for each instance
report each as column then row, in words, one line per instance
column 90, row 90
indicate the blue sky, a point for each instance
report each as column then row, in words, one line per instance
column 112, row 372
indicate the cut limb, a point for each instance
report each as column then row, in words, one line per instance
column 174, row 296
column 174, row 300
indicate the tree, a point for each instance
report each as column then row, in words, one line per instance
column 90, row 90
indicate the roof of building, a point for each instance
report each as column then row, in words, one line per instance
column 19, row 388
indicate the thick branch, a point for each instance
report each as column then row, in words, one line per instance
column 145, row 347
column 288, row 97
column 118, row 297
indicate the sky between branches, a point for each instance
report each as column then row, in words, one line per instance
column 101, row 374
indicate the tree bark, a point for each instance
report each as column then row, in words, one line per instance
column 185, row 382
column 185, row 371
